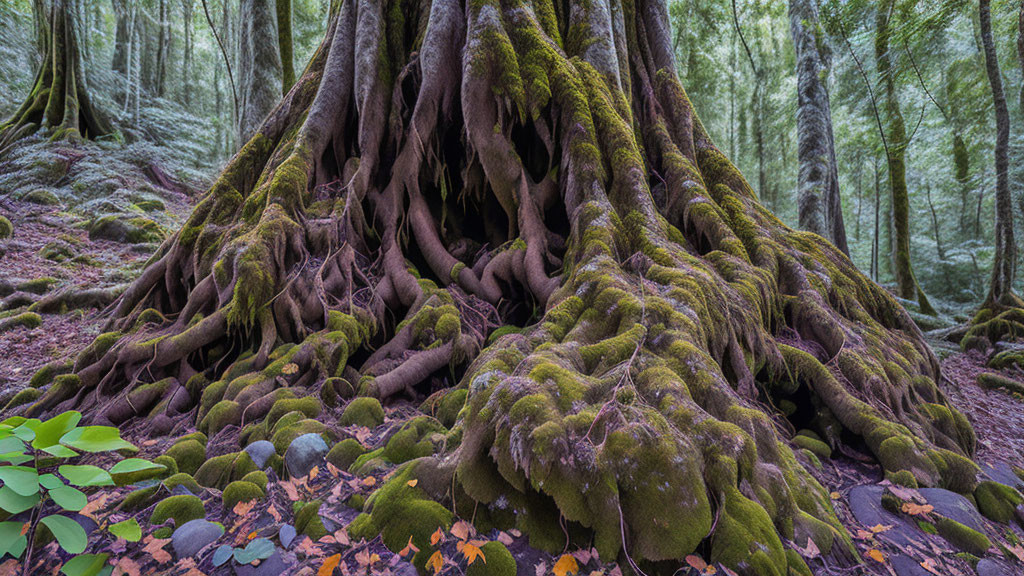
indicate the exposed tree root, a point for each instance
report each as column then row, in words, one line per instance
column 395, row 208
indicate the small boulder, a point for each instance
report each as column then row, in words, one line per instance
column 954, row 506
column 304, row 453
column 193, row 536
column 260, row 451
column 272, row 566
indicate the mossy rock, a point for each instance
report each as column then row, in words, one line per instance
column 217, row 472
column 335, row 390
column 992, row 381
column 241, row 491
column 997, row 501
column 181, row 509
column 344, row 453
column 308, row 522
column 6, row 228
column 27, row 320
column 283, row 437
column 308, row 406
column 48, row 373
column 37, row 285
column 182, row 479
column 189, row 453
column 257, row 477
column 26, row 396
column 163, row 533
column 140, row 499
column 1007, row 359
column 363, row 412
column 963, row 537
column 223, row 414
column 819, row 448
column 117, row 228
column 902, row 478
column 412, row 441
column 497, row 561
column 398, row 511
column 41, row 197
column 57, row 251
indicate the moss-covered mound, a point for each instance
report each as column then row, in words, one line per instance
column 362, row 412
column 241, row 491
column 963, row 537
column 180, row 509
column 997, row 501
column 992, row 381
column 6, row 228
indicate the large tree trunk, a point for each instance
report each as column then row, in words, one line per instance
column 896, row 151
column 259, row 65
column 1002, row 315
column 396, row 207
column 59, row 101
column 820, row 206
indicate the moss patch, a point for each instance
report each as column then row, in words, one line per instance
column 963, row 537
column 363, row 412
column 181, row 509
column 241, row 491
column 997, row 501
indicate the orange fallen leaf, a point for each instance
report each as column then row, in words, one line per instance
column 412, row 483
column 879, row 528
column 290, row 368
column 274, row 513
column 252, row 535
column 243, row 508
column 460, row 530
column 929, row 565
column 834, row 495
column 289, row 489
column 314, row 472
column 327, row 568
column 410, row 548
column 436, row 537
column 876, row 555
column 916, row 509
column 565, row 565
column 369, row 481
column 436, row 561
column 696, row 562
column 472, row 552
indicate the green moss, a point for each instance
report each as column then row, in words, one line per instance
column 746, row 536
column 497, row 561
column 241, row 491
column 309, row 406
column 26, row 396
column 284, row 434
column 181, row 509
column 927, row 527
column 816, row 446
column 412, row 441
column 997, row 501
column 182, row 479
column 356, row 501
column 963, row 537
column 224, row 413
column 218, row 471
column 189, row 454
column 47, row 373
column 363, row 412
column 37, row 285
column 398, row 511
column 257, row 477
column 6, row 228
column 991, row 381
column 27, row 320
column 797, row 566
column 308, row 522
column 902, row 478
column 40, row 196
column 344, row 453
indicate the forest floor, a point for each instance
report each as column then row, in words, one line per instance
column 87, row 219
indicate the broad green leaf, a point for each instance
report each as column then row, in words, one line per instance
column 60, row 451
column 222, row 554
column 129, row 530
column 50, row 481
column 69, row 534
column 85, row 475
column 95, row 439
column 11, row 444
column 86, row 565
column 68, row 498
column 11, row 540
column 21, row 479
column 50, row 432
column 15, row 503
column 13, row 422
column 15, row 458
column 27, row 430
column 134, row 465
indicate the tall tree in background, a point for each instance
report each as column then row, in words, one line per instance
column 285, row 44
column 443, row 168
column 1002, row 314
column 820, row 206
column 188, row 51
column 896, row 150
column 259, row 65
column 59, row 100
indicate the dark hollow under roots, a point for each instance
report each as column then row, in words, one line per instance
column 441, row 170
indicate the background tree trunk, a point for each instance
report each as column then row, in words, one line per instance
column 59, row 101
column 284, row 39
column 820, row 205
column 187, row 11
column 906, row 282
column 259, row 64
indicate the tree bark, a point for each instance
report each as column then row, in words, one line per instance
column 284, row 40
column 907, row 286
column 59, row 101
column 414, row 191
column 259, row 65
column 820, row 206
column 187, row 11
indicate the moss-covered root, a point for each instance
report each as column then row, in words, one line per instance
column 994, row 323
column 993, row 381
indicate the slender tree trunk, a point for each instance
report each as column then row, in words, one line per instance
column 122, row 35
column 1020, row 51
column 259, row 65
column 162, row 48
column 187, row 10
column 906, row 282
column 59, row 101
column 819, row 202
column 284, row 40
column 875, row 241
column 935, row 222
column 1005, row 260
column 860, row 195
column 41, row 22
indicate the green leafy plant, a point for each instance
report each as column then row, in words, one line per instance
column 38, row 477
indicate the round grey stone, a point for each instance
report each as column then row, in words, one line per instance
column 304, row 453
column 193, row 536
column 260, row 451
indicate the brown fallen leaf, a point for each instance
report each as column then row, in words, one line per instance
column 810, row 551
column 916, row 509
column 929, row 565
column 327, row 568
column 876, row 555
column 155, row 548
column 126, row 567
